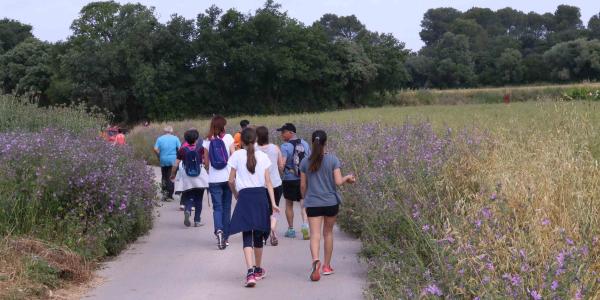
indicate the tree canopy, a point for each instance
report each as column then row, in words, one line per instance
column 120, row 57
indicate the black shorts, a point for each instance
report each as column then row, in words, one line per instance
column 291, row 190
column 323, row 211
column 277, row 191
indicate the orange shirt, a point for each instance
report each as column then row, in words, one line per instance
column 120, row 139
column 237, row 140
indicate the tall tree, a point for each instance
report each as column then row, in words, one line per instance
column 594, row 26
column 13, row 32
column 436, row 22
column 25, row 68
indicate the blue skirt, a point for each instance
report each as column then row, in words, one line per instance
column 251, row 212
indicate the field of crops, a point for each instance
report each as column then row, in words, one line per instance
column 473, row 201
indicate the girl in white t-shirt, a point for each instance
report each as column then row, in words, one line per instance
column 218, row 188
column 277, row 165
column 251, row 185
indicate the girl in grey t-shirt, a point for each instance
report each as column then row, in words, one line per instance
column 319, row 178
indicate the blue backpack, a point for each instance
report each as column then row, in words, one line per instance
column 192, row 161
column 218, row 154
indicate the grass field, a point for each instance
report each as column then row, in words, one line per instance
column 488, row 201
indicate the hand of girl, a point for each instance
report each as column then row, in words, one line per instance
column 172, row 177
column 350, row 179
column 276, row 209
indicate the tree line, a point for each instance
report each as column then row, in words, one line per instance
column 122, row 59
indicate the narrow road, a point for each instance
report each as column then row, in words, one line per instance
column 176, row 262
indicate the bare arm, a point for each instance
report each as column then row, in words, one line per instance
column 339, row 180
column 205, row 159
column 156, row 151
column 280, row 160
column 174, row 169
column 303, row 185
column 232, row 174
column 269, row 185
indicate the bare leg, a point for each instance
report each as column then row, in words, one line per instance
column 315, row 223
column 273, row 225
column 328, row 237
column 249, row 256
column 258, row 256
column 303, row 209
column 289, row 212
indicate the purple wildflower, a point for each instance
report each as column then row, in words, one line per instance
column 535, row 295
column 579, row 294
column 560, row 258
column 433, row 289
column 554, row 285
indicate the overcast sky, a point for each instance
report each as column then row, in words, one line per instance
column 51, row 18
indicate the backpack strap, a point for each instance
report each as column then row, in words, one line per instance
column 294, row 143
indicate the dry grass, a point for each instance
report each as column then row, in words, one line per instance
column 32, row 269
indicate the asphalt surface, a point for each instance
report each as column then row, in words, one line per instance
column 177, row 262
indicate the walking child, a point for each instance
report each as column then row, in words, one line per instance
column 320, row 177
column 219, row 147
column 237, row 137
column 277, row 165
column 192, row 176
column 251, row 184
column 294, row 150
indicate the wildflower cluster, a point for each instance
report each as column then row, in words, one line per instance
column 75, row 189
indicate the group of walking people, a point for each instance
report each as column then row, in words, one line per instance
column 257, row 173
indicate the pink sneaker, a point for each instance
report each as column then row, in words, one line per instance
column 259, row 273
column 328, row 270
column 250, row 281
column 314, row 273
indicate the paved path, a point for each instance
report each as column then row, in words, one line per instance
column 175, row 262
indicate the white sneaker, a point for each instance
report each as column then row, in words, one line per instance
column 181, row 207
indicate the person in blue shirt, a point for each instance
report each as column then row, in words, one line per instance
column 294, row 150
column 166, row 148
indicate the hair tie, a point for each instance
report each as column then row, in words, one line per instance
column 317, row 138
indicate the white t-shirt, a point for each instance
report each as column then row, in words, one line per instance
column 214, row 175
column 244, row 179
column 273, row 153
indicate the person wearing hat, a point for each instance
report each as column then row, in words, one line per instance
column 294, row 150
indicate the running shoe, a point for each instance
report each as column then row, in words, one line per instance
column 220, row 241
column 227, row 243
column 328, row 270
column 250, row 280
column 314, row 273
column 290, row 233
column 259, row 273
column 305, row 234
column 181, row 207
column 197, row 224
column 186, row 220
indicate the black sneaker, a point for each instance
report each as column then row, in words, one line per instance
column 186, row 219
column 220, row 240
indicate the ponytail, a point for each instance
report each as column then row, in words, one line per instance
column 319, row 139
column 248, row 139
